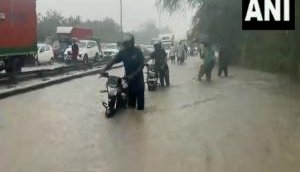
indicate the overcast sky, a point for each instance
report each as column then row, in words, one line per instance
column 135, row 12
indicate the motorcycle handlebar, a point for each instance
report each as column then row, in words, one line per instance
column 105, row 74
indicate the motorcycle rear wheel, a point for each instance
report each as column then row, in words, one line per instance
column 151, row 87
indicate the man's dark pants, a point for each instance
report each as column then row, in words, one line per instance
column 136, row 95
column 164, row 77
column 223, row 68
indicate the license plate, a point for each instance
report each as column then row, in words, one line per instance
column 152, row 79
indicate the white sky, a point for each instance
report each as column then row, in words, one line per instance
column 135, row 12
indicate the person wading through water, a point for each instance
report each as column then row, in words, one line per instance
column 207, row 54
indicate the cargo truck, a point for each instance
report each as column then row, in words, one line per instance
column 18, row 34
column 64, row 37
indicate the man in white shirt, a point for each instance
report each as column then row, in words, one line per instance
column 172, row 53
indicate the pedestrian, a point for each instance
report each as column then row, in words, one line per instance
column 172, row 53
column 186, row 50
column 180, row 54
column 75, row 50
column 133, row 60
column 223, row 62
column 161, row 64
column 208, row 62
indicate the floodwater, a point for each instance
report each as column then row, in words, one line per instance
column 249, row 122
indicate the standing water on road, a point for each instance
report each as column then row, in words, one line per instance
column 248, row 122
column 208, row 116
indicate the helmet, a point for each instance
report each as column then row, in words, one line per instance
column 128, row 41
column 157, row 45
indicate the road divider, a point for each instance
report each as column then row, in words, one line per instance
column 19, row 89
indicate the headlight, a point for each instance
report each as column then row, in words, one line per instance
column 124, row 84
column 151, row 73
column 112, row 91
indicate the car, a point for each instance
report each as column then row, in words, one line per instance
column 88, row 51
column 44, row 54
column 109, row 50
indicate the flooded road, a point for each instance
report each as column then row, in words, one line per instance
column 249, row 122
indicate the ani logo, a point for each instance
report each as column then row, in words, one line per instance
column 269, row 14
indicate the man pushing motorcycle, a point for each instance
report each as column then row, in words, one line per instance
column 161, row 63
column 133, row 60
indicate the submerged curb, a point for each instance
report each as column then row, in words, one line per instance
column 43, row 84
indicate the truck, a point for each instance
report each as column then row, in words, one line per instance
column 74, row 32
column 167, row 40
column 65, row 36
column 18, row 30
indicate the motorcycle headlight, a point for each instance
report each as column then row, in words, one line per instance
column 151, row 73
column 124, row 84
column 112, row 91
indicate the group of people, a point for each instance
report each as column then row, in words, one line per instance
column 209, row 60
column 181, row 52
column 134, row 61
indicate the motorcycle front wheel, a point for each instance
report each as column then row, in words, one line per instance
column 109, row 113
column 151, row 87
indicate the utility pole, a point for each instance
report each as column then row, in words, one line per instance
column 159, row 19
column 121, row 16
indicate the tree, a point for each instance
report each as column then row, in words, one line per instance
column 215, row 21
column 47, row 24
column 219, row 22
column 107, row 29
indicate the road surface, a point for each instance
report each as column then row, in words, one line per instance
column 249, row 122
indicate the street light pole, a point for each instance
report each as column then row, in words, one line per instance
column 159, row 18
column 121, row 16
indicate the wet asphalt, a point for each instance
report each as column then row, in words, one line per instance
column 245, row 123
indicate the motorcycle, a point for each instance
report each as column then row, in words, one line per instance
column 116, row 89
column 152, row 77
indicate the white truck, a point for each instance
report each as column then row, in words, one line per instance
column 167, row 40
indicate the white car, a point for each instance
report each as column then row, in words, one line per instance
column 88, row 51
column 109, row 50
column 45, row 54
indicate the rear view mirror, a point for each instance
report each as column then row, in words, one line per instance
column 103, row 91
